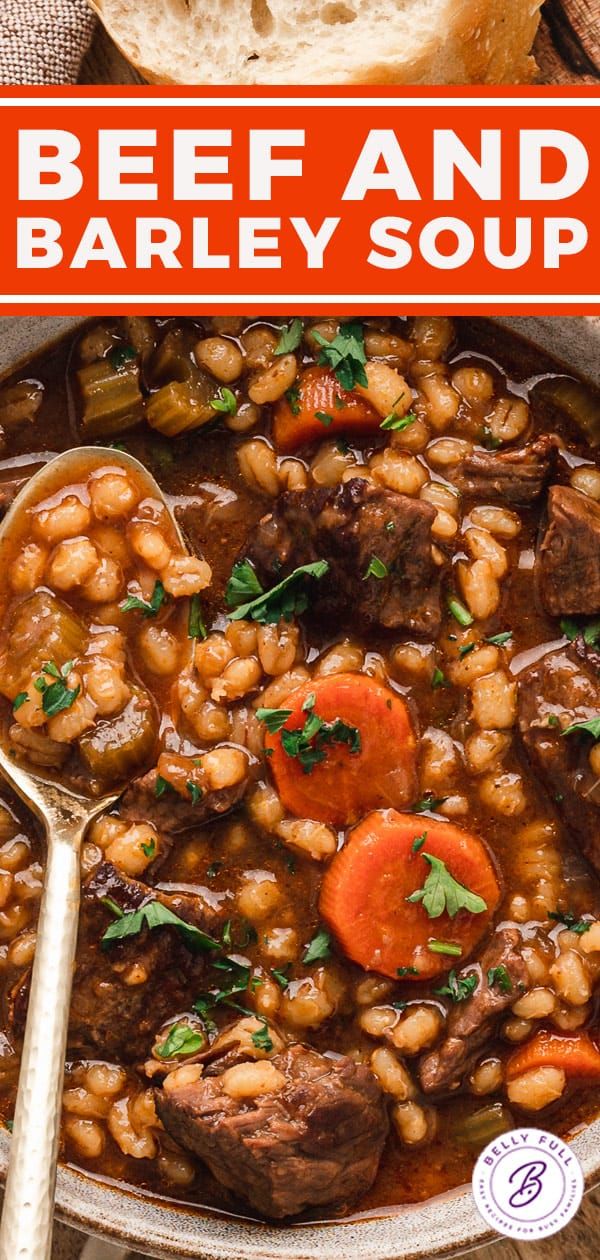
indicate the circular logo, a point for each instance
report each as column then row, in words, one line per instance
column 527, row 1184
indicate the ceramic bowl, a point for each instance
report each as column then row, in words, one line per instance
column 158, row 1227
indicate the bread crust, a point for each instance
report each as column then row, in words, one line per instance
column 489, row 42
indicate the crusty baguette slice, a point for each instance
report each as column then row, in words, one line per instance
column 325, row 41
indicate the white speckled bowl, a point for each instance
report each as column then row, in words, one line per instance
column 440, row 1227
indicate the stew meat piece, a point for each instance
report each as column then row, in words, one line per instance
column 568, row 558
column 348, row 527
column 515, row 476
column 558, row 691
column 318, row 1139
column 471, row 1022
column 170, row 812
column 111, row 1018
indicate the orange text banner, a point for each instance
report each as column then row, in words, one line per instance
column 163, row 200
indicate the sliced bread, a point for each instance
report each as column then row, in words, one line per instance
column 325, row 41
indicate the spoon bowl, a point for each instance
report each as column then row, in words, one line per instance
column 26, row 1227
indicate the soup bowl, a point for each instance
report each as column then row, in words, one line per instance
column 162, row 1227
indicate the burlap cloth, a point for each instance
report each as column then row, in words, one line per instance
column 43, row 41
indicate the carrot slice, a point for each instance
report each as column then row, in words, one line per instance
column 575, row 1053
column 345, row 784
column 319, row 391
column 365, row 890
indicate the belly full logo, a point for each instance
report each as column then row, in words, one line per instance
column 528, row 1184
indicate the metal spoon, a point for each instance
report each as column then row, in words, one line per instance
column 26, row 1228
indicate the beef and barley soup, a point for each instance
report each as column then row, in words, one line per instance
column 343, row 926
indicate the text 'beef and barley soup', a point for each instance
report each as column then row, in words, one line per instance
column 343, row 926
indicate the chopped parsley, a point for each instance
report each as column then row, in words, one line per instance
column 398, row 423
column 161, row 786
column 273, row 719
column 428, row 804
column 288, row 598
column 19, row 700
column 438, row 679
column 278, row 974
column 56, row 695
column 406, row 971
column 570, row 921
column 120, row 355
column 499, row 976
column 499, row 639
column 149, row 849
column 309, row 743
column 418, row 843
column 376, row 569
column 148, row 608
column 441, row 893
column 324, row 418
column 445, row 947
column 345, row 354
column 290, row 337
column 458, row 988
column 319, row 947
column 225, row 402
column 196, row 626
column 293, row 397
column 569, row 628
column 261, row 1038
column 181, row 1040
column 195, row 791
column 591, row 727
column 465, row 648
column 153, row 915
column 459, row 611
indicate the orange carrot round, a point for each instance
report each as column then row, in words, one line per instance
column 365, row 890
column 575, row 1053
column 296, row 422
column 374, row 768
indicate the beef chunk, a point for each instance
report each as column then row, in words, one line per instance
column 170, row 812
column 471, row 1022
column 317, row 1139
column 514, row 476
column 348, row 526
column 568, row 559
column 124, row 993
column 556, row 692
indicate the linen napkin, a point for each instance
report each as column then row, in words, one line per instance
column 43, row 41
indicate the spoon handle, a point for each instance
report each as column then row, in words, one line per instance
column 26, row 1228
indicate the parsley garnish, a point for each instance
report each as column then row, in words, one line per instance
column 147, row 608
column 120, row 355
column 242, row 585
column 324, row 418
column 56, row 696
column 289, row 597
column 499, row 975
column 273, row 719
column 459, row 612
column 225, row 401
column 569, row 628
column 418, row 843
column 438, row 679
column 195, row 791
column 319, row 947
column 290, row 337
column 261, row 1037
column 345, row 354
column 442, row 893
column 196, row 627
column 465, row 648
column 149, row 849
column 499, row 639
column 406, row 971
column 293, row 396
column 153, row 915
column 278, row 974
column 570, row 921
column 161, row 786
column 428, row 804
column 181, row 1040
column 458, row 988
column 308, row 743
column 19, row 700
column 376, row 569
column 444, row 947
column 591, row 727
column 398, row 423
